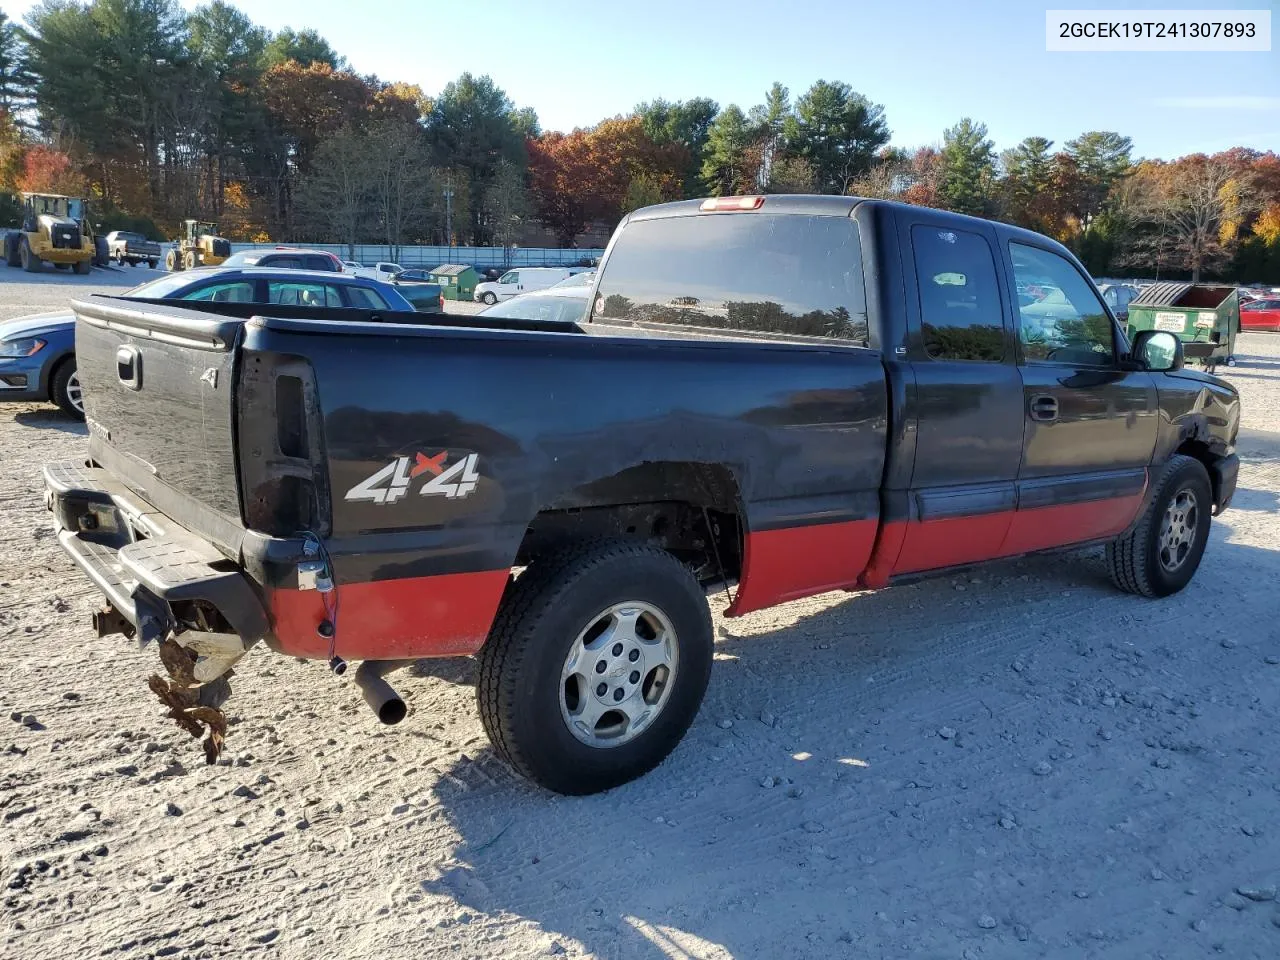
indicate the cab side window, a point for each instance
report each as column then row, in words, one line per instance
column 960, row 313
column 1060, row 317
column 235, row 291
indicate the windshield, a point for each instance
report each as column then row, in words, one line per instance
column 161, row 287
column 569, row 309
column 245, row 258
column 577, row 280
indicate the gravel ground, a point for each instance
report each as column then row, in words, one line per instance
column 1013, row 762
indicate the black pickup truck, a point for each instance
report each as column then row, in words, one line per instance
column 777, row 396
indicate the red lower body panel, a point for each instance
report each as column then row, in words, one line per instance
column 1047, row 527
column 442, row 616
column 795, row 562
column 934, row 544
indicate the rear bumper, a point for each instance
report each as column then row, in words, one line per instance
column 158, row 577
column 1223, row 473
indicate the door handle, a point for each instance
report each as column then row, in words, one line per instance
column 1044, row 408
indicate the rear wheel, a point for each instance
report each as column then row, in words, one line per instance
column 60, row 266
column 12, row 256
column 82, row 267
column 65, row 391
column 1161, row 554
column 151, row 264
column 30, row 262
column 596, row 665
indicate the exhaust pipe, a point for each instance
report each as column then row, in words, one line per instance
column 378, row 694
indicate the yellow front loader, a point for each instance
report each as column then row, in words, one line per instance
column 200, row 246
column 55, row 229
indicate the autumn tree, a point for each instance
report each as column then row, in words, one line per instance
column 837, row 131
column 1028, row 174
column 561, row 189
column 45, row 170
column 968, row 171
column 1193, row 207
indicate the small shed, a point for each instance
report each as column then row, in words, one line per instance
column 1205, row 316
column 457, row 282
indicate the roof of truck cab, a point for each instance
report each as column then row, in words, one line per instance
column 820, row 205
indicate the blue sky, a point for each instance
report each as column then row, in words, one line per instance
column 929, row 62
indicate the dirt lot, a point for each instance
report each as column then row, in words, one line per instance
column 1014, row 762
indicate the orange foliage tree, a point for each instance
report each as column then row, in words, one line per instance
column 601, row 173
column 46, row 170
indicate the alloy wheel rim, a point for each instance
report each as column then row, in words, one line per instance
column 74, row 394
column 1178, row 530
column 618, row 674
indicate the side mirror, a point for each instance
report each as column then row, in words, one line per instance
column 1158, row 351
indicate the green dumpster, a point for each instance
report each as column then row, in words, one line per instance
column 1205, row 316
column 457, row 282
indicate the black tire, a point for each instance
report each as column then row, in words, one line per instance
column 11, row 255
column 58, row 389
column 1135, row 559
column 489, row 298
column 519, row 685
column 30, row 262
column 151, row 264
column 82, row 267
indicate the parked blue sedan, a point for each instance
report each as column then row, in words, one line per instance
column 38, row 353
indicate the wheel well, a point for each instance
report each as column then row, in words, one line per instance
column 698, row 518
column 1199, row 450
column 51, row 371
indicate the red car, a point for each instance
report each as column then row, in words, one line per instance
column 1261, row 314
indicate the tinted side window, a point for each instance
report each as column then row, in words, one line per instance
column 1060, row 318
column 752, row 272
column 302, row 294
column 365, row 298
column 960, row 313
column 285, row 263
column 313, row 262
column 237, row 291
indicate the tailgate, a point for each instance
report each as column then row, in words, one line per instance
column 160, row 408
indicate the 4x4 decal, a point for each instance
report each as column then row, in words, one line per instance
column 454, row 481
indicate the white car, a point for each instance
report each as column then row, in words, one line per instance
column 518, row 281
column 350, row 267
column 386, row 272
column 558, row 304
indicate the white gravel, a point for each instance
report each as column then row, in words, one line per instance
column 329, row 836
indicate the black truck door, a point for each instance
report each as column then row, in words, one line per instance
column 967, row 407
column 1090, row 425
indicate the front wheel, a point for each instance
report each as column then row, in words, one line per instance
column 65, row 391
column 82, row 267
column 189, row 260
column 489, row 298
column 596, row 665
column 30, row 262
column 1161, row 554
column 171, row 261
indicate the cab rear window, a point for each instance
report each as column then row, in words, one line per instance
column 791, row 275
